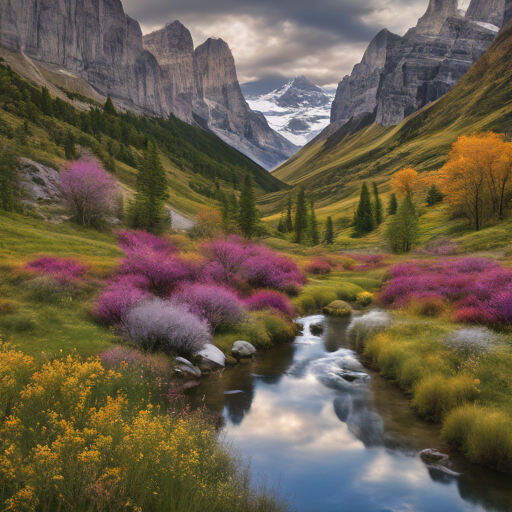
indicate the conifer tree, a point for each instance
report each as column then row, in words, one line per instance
column 392, row 205
column 314, row 235
column 280, row 225
column 46, row 102
column 249, row 217
column 329, row 232
column 403, row 229
column 301, row 217
column 434, row 196
column 10, row 190
column 148, row 210
column 363, row 221
column 377, row 206
column 229, row 211
column 70, row 146
column 109, row 108
column 289, row 221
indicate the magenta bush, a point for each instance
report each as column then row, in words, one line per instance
column 267, row 299
column 121, row 294
column 226, row 260
column 163, row 273
column 318, row 266
column 139, row 240
column 63, row 271
column 88, row 191
column 478, row 289
column 219, row 306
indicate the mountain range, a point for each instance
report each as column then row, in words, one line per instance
column 298, row 111
column 93, row 48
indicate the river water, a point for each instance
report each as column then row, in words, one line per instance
column 337, row 444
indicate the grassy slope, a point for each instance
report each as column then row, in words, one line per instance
column 333, row 170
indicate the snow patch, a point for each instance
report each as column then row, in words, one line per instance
column 488, row 26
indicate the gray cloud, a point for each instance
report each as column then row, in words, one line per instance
column 322, row 39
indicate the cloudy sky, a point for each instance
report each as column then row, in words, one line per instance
column 274, row 40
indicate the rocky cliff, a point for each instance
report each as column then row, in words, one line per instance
column 94, row 40
column 202, row 86
column 400, row 75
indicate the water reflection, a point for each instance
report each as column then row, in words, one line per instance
column 342, row 438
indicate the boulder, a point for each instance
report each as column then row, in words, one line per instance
column 231, row 361
column 186, row 368
column 338, row 308
column 316, row 329
column 431, row 456
column 211, row 358
column 242, row 349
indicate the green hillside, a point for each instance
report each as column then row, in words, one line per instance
column 197, row 162
column 332, row 169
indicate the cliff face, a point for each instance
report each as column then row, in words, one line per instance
column 202, row 86
column 92, row 39
column 400, row 75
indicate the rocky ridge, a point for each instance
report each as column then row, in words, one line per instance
column 400, row 75
column 202, row 86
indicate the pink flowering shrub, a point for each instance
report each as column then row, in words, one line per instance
column 219, row 306
column 226, row 260
column 365, row 262
column 121, row 294
column 88, row 191
column 478, row 289
column 130, row 241
column 318, row 266
column 268, row 299
column 63, row 271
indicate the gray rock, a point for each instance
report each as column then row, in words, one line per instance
column 242, row 349
column 431, row 456
column 211, row 358
column 400, row 75
column 186, row 368
column 316, row 329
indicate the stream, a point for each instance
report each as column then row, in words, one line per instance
column 337, row 435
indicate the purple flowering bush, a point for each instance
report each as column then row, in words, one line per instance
column 64, row 271
column 269, row 299
column 479, row 290
column 219, row 306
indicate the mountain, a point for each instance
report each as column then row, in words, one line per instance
column 201, row 86
column 93, row 48
column 400, row 75
column 333, row 165
column 299, row 110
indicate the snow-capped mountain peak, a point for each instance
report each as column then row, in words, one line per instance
column 299, row 110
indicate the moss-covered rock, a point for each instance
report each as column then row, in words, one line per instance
column 338, row 308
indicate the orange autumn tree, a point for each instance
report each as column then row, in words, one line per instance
column 477, row 179
column 405, row 181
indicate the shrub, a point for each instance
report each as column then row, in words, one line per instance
column 219, row 306
column 278, row 329
column 365, row 298
column 459, row 424
column 318, row 266
column 361, row 328
column 121, row 294
column 436, row 395
column 364, row 262
column 48, row 290
column 266, row 299
column 139, row 240
column 427, row 304
column 255, row 333
column 315, row 298
column 474, row 340
column 88, row 191
column 64, row 271
column 161, row 325
column 348, row 291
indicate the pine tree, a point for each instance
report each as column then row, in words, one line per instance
column 69, row 146
column 392, row 205
column 403, row 229
column 148, row 210
column 363, row 221
column 249, row 217
column 377, row 206
column 229, row 212
column 289, row 221
column 314, row 235
column 109, row 108
column 46, row 102
column 280, row 225
column 10, row 190
column 329, row 232
column 434, row 196
column 301, row 217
